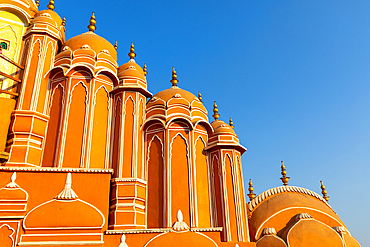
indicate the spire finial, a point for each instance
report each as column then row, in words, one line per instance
column 64, row 21
column 67, row 193
column 145, row 69
column 324, row 192
column 51, row 5
column 215, row 111
column 284, row 178
column 200, row 97
column 115, row 45
column 231, row 123
column 132, row 53
column 12, row 183
column 251, row 195
column 174, row 77
column 92, row 26
column 37, row 3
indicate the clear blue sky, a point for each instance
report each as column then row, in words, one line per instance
column 293, row 75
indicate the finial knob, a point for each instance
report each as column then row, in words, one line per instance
column 215, row 111
column 92, row 26
column 132, row 53
column 51, row 5
column 200, row 97
column 145, row 69
column 37, row 3
column 251, row 195
column 64, row 21
column 231, row 123
column 324, row 192
column 115, row 45
column 284, row 178
column 174, row 77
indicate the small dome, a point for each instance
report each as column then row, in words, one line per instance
column 96, row 43
column 48, row 16
column 171, row 92
column 274, row 208
column 130, row 69
column 220, row 127
column 64, row 213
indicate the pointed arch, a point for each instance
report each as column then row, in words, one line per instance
column 54, row 124
column 116, row 140
column 156, row 184
column 75, row 126
column 180, row 177
column 100, row 116
column 128, row 139
column 232, row 222
column 202, row 184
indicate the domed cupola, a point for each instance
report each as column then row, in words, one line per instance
column 223, row 133
column 175, row 102
column 131, row 70
column 77, row 220
column 90, row 41
column 55, row 24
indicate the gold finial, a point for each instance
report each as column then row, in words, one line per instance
column 231, row 123
column 251, row 195
column 51, row 5
column 324, row 192
column 215, row 111
column 92, row 26
column 37, row 3
column 115, row 45
column 132, row 53
column 200, row 97
column 64, row 21
column 174, row 77
column 284, row 178
column 145, row 69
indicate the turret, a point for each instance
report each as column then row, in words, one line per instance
column 27, row 134
column 129, row 99
column 224, row 153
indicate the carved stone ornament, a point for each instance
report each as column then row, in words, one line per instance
column 105, row 51
column 268, row 231
column 12, row 183
column 180, row 225
column 123, row 241
column 67, row 193
column 339, row 229
column 45, row 15
column 177, row 95
column 303, row 216
column 85, row 46
column 66, row 48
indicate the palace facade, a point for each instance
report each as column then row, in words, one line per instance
column 90, row 157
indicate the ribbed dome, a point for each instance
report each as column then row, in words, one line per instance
column 220, row 127
column 171, row 92
column 48, row 16
column 130, row 69
column 96, row 43
column 64, row 213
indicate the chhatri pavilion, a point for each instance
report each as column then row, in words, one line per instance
column 90, row 157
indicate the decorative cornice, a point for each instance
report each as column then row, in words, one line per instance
column 211, row 229
column 137, row 231
column 283, row 189
column 50, row 169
